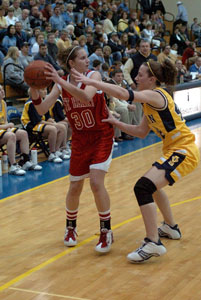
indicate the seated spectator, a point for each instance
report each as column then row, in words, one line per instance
column 16, row 7
column 71, row 34
column 63, row 42
column 89, row 19
column 55, row 133
column 91, row 43
column 181, row 71
column 98, row 31
column 196, row 28
column 47, row 12
column 157, row 5
column 3, row 23
column 107, row 54
column 122, row 107
column 9, row 39
column 123, row 22
column 24, row 19
column 10, row 18
column 78, row 9
column 166, row 54
column 56, row 20
column 42, row 55
column 82, row 42
column 69, row 17
column 47, row 30
column 40, row 39
column 24, row 57
column 14, row 72
column 188, row 52
column 177, row 38
column 105, row 72
column 108, row 26
column 196, row 67
column 148, row 32
column 52, row 48
column 116, row 47
column 124, row 6
column 97, row 55
column 57, row 114
column 133, row 32
column 9, row 135
column 96, row 65
column 36, row 17
column 32, row 40
column 20, row 34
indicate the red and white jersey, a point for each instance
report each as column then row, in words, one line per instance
column 86, row 117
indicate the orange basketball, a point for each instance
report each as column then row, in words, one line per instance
column 34, row 75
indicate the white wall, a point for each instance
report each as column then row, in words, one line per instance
column 193, row 7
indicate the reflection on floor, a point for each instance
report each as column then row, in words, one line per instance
column 10, row 185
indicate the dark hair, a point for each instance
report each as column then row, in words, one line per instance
column 68, row 54
column 42, row 45
column 96, row 63
column 115, row 71
column 8, row 30
column 165, row 72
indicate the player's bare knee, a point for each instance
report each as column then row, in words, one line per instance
column 144, row 189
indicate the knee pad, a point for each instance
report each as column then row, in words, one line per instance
column 143, row 189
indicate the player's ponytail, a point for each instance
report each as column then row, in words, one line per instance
column 164, row 73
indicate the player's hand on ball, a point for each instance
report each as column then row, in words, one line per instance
column 52, row 74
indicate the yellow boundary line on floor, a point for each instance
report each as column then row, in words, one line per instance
column 59, row 179
column 69, row 250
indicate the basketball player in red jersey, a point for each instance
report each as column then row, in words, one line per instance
column 92, row 141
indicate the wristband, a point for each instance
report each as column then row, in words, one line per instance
column 37, row 101
column 131, row 95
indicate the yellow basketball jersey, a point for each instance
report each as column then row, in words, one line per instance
column 167, row 122
column 2, row 112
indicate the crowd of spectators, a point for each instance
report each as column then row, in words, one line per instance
column 114, row 37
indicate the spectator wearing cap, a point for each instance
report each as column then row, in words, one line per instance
column 108, row 26
column 20, row 34
column 182, row 15
column 117, row 48
column 43, row 55
column 25, row 58
column 24, row 19
column 10, row 18
column 57, row 20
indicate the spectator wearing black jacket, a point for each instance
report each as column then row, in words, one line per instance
column 116, row 47
column 42, row 55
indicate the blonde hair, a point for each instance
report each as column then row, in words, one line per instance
column 12, row 53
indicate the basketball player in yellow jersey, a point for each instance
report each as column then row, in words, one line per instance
column 180, row 154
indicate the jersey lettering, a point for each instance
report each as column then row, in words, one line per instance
column 84, row 119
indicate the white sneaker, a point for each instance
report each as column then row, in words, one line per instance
column 171, row 232
column 53, row 158
column 28, row 166
column 68, row 149
column 16, row 170
column 146, row 251
column 105, row 241
column 64, row 154
column 70, row 237
column 115, row 144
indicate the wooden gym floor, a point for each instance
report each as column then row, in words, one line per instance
column 34, row 263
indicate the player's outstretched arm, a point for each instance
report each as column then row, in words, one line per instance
column 140, row 130
column 111, row 89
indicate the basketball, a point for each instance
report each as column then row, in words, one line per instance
column 34, row 75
